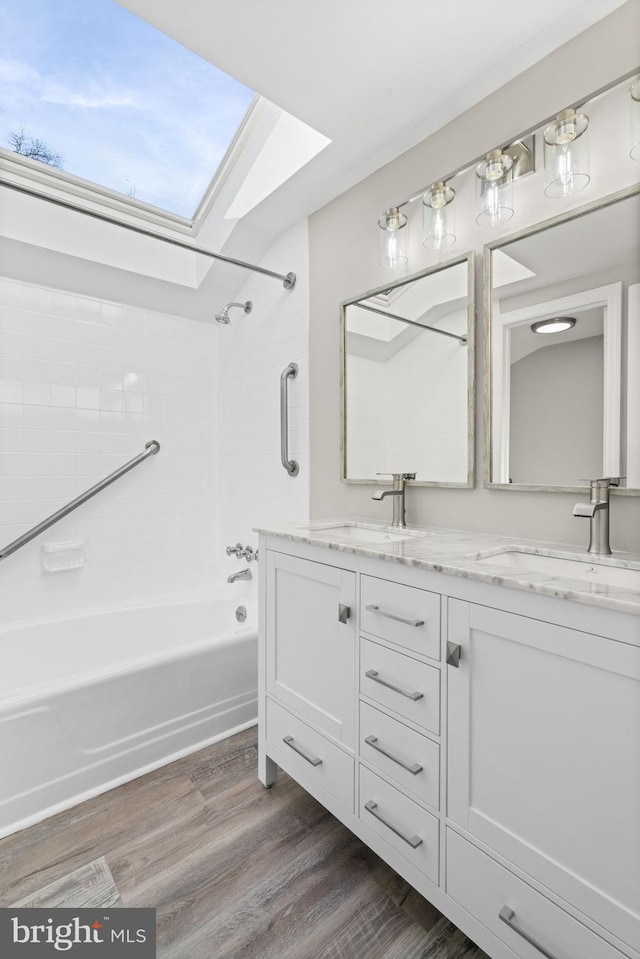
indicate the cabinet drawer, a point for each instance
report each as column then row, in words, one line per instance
column 403, row 824
column 401, row 614
column 485, row 889
column 401, row 753
column 321, row 760
column 409, row 687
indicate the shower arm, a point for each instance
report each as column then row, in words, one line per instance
column 288, row 280
column 150, row 449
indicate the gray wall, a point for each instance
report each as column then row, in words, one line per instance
column 343, row 262
column 556, row 414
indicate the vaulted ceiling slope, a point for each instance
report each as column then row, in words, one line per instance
column 375, row 76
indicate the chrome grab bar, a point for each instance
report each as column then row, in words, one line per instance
column 291, row 466
column 150, row 449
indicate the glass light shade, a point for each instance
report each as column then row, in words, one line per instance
column 393, row 238
column 494, row 189
column 566, row 154
column 438, row 216
column 634, row 151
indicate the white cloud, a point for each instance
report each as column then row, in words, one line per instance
column 13, row 71
column 55, row 92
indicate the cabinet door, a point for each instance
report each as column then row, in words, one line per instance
column 311, row 649
column 544, row 756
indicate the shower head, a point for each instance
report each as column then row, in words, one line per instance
column 223, row 315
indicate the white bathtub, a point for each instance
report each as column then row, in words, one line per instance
column 91, row 701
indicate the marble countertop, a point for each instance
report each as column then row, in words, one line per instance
column 481, row 556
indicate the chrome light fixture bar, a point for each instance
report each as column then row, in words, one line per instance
column 566, row 154
column 522, row 153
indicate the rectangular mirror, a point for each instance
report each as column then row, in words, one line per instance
column 408, row 378
column 563, row 350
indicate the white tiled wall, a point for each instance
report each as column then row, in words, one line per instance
column 84, row 383
column 253, row 351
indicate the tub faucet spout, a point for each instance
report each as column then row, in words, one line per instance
column 241, row 574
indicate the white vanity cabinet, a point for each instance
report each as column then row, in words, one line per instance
column 544, row 767
column 309, row 670
column 504, row 785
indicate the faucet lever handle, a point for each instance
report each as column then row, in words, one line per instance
column 399, row 476
column 600, row 481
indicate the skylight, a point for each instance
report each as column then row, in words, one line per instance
column 92, row 89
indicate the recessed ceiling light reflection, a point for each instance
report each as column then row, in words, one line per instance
column 557, row 324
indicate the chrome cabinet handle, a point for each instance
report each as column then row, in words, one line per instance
column 344, row 613
column 398, row 619
column 507, row 915
column 454, row 651
column 373, row 674
column 413, row 841
column 413, row 768
column 291, row 466
column 314, row 760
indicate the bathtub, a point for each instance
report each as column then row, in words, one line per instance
column 90, row 701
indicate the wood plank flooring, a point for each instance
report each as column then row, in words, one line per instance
column 234, row 871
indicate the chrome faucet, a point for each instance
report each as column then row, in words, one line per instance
column 597, row 512
column 241, row 574
column 398, row 493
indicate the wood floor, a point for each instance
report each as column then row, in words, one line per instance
column 234, row 871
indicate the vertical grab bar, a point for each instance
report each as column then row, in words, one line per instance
column 291, row 466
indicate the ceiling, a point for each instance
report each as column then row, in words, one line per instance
column 375, row 76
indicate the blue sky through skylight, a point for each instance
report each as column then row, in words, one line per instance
column 124, row 105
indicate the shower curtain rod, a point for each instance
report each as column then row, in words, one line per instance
column 423, row 326
column 288, row 280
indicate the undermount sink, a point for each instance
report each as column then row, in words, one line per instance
column 355, row 533
column 587, row 570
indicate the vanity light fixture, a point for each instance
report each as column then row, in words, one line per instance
column 494, row 189
column 556, row 324
column 634, row 118
column 438, row 216
column 393, row 238
column 566, row 154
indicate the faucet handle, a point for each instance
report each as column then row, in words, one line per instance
column 399, row 476
column 605, row 481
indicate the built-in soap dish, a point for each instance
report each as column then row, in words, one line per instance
column 58, row 557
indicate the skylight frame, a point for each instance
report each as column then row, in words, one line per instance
column 56, row 182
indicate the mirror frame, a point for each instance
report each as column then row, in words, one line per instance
column 572, row 214
column 470, row 259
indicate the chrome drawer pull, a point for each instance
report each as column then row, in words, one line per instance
column 413, row 768
column 398, row 619
column 373, row 674
column 314, row 760
column 507, row 915
column 413, row 841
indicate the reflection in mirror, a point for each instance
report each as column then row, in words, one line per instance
column 565, row 406
column 408, row 378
